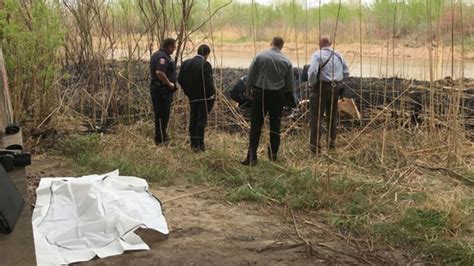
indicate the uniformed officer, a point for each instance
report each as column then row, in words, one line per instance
column 162, row 87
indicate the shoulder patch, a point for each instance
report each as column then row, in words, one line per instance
column 162, row 61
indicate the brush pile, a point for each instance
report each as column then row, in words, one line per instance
column 94, row 98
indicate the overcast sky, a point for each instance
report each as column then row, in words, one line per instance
column 311, row 3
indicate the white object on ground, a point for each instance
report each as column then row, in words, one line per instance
column 76, row 219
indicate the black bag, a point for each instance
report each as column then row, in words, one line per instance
column 20, row 158
column 11, row 203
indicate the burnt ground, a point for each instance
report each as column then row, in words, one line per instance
column 116, row 94
column 206, row 229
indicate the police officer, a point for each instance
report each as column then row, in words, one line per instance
column 162, row 87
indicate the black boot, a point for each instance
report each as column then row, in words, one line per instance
column 251, row 159
column 332, row 145
column 271, row 156
column 315, row 149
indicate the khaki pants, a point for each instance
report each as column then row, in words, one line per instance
column 323, row 99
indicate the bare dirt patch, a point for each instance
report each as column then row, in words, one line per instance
column 206, row 229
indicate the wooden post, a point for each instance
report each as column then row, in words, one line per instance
column 6, row 110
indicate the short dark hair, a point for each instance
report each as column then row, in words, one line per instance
column 167, row 43
column 278, row 42
column 204, row 50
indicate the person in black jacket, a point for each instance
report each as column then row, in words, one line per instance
column 162, row 87
column 238, row 93
column 195, row 77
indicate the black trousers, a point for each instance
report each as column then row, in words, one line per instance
column 198, row 121
column 265, row 102
column 162, row 108
column 323, row 99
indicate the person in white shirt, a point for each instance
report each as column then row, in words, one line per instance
column 326, row 71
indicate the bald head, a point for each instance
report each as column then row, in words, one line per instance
column 324, row 41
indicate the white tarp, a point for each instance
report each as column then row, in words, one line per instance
column 76, row 219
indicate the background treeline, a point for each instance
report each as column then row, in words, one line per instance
column 402, row 18
column 43, row 38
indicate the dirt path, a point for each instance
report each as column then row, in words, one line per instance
column 205, row 229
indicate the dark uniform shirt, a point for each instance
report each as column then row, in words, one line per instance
column 162, row 61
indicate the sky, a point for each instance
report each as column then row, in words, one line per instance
column 311, row 3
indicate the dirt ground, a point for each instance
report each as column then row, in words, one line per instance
column 206, row 229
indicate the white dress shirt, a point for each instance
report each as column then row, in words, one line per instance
column 335, row 70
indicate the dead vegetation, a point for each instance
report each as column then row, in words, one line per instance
column 400, row 179
column 407, row 198
column 393, row 182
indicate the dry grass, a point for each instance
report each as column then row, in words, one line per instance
column 394, row 197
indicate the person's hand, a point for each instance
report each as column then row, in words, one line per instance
column 172, row 86
column 248, row 94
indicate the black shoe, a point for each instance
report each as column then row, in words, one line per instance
column 332, row 145
column 198, row 149
column 271, row 156
column 251, row 158
column 201, row 146
column 248, row 162
column 315, row 150
column 163, row 142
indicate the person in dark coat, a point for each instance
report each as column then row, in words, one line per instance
column 195, row 77
column 238, row 93
column 162, row 87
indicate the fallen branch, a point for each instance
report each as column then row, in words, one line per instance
column 447, row 172
column 311, row 248
column 326, row 246
column 278, row 245
column 327, row 230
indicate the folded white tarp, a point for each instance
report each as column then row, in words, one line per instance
column 76, row 219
